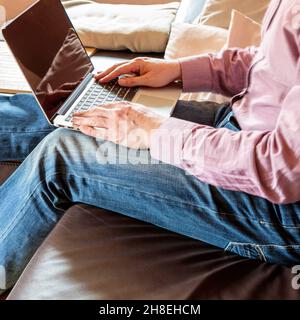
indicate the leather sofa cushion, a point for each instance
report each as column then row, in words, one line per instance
column 96, row 254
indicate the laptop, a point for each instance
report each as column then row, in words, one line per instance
column 61, row 74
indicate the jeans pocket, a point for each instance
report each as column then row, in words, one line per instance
column 287, row 255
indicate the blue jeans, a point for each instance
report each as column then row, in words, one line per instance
column 67, row 167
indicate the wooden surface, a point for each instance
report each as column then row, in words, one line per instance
column 12, row 79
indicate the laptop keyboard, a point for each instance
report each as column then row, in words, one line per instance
column 101, row 94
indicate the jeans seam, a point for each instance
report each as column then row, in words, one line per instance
column 279, row 246
column 160, row 197
column 157, row 196
column 260, row 221
column 278, row 224
column 176, row 202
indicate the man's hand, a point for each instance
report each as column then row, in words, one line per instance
column 148, row 72
column 124, row 123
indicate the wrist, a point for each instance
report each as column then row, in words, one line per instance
column 177, row 72
column 156, row 124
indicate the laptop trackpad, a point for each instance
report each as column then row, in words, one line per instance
column 154, row 102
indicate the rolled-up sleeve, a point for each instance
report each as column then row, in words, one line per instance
column 224, row 72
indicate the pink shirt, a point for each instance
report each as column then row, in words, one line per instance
column 262, row 159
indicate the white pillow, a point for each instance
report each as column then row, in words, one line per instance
column 139, row 28
column 218, row 12
column 187, row 40
column 191, row 39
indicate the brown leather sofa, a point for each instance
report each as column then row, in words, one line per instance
column 96, row 254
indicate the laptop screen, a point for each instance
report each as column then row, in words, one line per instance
column 49, row 53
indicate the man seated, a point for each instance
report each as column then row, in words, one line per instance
column 232, row 181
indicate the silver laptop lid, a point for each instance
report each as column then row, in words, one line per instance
column 49, row 52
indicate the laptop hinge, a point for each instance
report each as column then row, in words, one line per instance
column 74, row 96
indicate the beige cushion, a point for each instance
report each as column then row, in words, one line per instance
column 218, row 12
column 243, row 31
column 189, row 39
column 138, row 28
column 100, row 255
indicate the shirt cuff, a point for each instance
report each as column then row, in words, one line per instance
column 196, row 74
column 167, row 142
